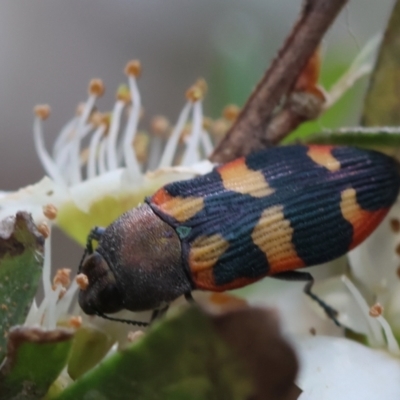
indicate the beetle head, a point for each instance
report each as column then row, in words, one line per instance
column 101, row 295
column 136, row 266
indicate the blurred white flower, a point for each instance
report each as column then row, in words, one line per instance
column 119, row 164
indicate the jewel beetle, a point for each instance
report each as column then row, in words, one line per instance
column 266, row 214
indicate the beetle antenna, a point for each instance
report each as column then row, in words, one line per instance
column 126, row 321
column 95, row 234
column 85, row 253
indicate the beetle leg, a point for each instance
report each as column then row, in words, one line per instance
column 158, row 313
column 305, row 276
column 189, row 298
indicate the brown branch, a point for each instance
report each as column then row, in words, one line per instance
column 249, row 132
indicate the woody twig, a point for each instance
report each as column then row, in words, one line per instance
column 273, row 109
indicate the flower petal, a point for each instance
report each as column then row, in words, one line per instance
column 337, row 368
column 375, row 261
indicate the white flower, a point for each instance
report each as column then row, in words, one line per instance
column 337, row 368
column 116, row 166
column 119, row 166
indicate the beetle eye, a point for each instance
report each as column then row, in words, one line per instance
column 101, row 295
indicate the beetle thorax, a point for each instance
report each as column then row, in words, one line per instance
column 144, row 254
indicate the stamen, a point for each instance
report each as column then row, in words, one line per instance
column 160, row 125
column 376, row 311
column 50, row 317
column 75, row 321
column 141, row 144
column 65, row 156
column 231, row 112
column 207, row 143
column 65, row 303
column 112, row 136
column 191, row 154
column 39, row 317
column 50, row 211
column 32, row 314
column 42, row 111
column 62, row 293
column 82, row 281
column 392, row 345
column 219, row 128
column 93, row 149
column 49, row 165
column 46, row 276
column 202, row 84
column 102, row 156
column 96, row 89
column 133, row 70
column 376, row 334
column 170, row 148
column 44, row 229
column 362, row 65
column 62, row 277
column 134, row 336
column 64, row 136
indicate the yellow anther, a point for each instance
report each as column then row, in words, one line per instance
column 62, row 277
column 44, row 229
column 231, row 112
column 376, row 310
column 123, row 94
column 133, row 68
column 42, row 111
column 50, row 211
column 96, row 87
column 83, row 281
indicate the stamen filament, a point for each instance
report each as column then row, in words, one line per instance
column 102, row 157
column 392, row 345
column 48, row 164
column 64, row 159
column 191, row 154
column 75, row 172
column 50, row 317
column 170, row 148
column 93, row 151
column 39, row 318
column 112, row 136
column 64, row 136
column 376, row 334
column 32, row 314
column 207, row 144
column 131, row 129
column 362, row 65
column 65, row 303
column 46, row 275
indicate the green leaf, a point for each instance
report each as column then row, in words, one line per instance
column 173, row 353
column 359, row 136
column 89, row 347
column 195, row 356
column 21, row 260
column 34, row 360
column 382, row 103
